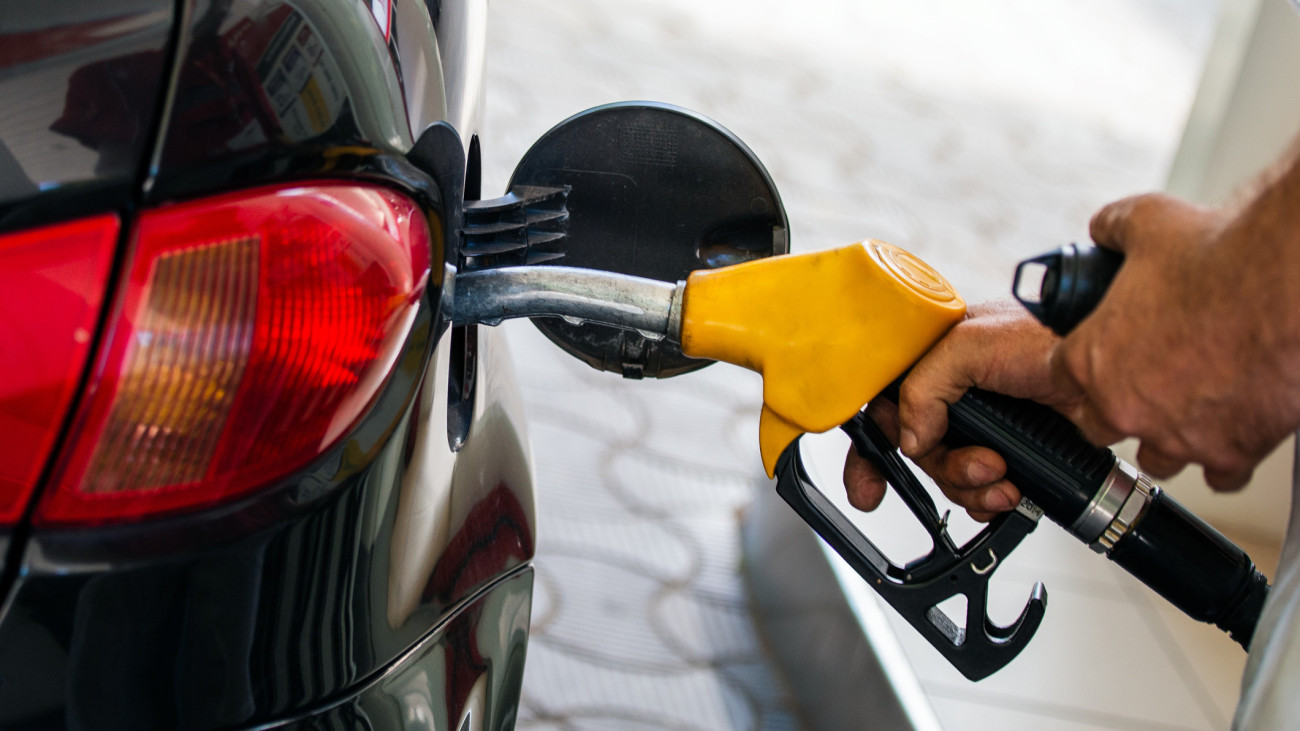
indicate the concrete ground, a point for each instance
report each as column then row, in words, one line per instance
column 972, row 133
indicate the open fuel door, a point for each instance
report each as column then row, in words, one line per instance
column 637, row 188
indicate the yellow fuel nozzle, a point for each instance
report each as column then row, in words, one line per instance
column 827, row 330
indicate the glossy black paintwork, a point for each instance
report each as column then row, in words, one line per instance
column 255, row 612
column 301, row 598
column 81, row 84
column 246, row 130
column 486, row 642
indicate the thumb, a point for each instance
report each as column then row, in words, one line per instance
column 999, row 346
column 1126, row 224
column 937, row 380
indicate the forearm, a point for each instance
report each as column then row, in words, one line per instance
column 1260, row 246
column 1283, row 168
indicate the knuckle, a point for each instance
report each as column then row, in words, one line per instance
column 1073, row 362
column 953, row 473
column 1227, row 462
column 913, row 389
column 1105, row 223
column 1126, row 218
column 1121, row 418
column 1145, row 205
column 1166, row 448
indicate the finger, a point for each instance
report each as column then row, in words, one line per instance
column 885, row 413
column 1070, row 366
column 1228, row 481
column 989, row 500
column 923, row 400
column 1116, row 223
column 973, row 478
column 964, row 468
column 864, row 485
column 1128, row 223
column 1158, row 464
column 1094, row 427
column 999, row 346
column 1109, row 225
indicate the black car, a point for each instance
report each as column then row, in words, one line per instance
column 251, row 474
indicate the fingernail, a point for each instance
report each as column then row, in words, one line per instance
column 980, row 474
column 997, row 501
column 907, row 441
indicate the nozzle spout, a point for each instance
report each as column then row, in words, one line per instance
column 648, row 306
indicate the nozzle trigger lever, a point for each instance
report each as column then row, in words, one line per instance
column 978, row 647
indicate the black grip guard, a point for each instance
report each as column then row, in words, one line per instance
column 1169, row 549
column 980, row 647
column 1046, row 457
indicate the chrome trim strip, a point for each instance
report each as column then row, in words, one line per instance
column 1106, row 503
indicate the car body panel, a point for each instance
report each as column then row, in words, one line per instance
column 82, row 85
column 236, row 113
column 89, row 77
column 362, row 94
column 480, row 650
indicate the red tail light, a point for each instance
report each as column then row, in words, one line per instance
column 252, row 331
column 52, row 282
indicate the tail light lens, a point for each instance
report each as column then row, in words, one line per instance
column 52, row 282
column 251, row 333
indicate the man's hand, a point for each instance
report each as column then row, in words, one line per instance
column 998, row 347
column 1195, row 349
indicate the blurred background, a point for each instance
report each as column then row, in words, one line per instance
column 974, row 134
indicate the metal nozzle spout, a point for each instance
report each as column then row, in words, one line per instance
column 648, row 306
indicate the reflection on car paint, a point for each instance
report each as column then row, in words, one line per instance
column 89, row 87
column 465, row 677
column 280, row 74
column 458, row 526
column 299, row 74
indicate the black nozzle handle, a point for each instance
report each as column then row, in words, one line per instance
column 1076, row 484
column 1047, row 458
column 1062, row 287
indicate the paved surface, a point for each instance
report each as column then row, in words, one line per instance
column 973, row 134
column 641, row 620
